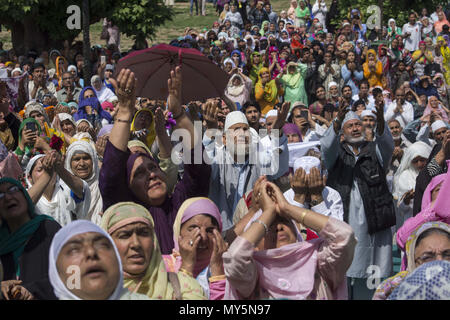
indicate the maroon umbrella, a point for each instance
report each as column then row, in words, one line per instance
column 202, row 79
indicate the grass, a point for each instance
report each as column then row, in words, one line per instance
column 164, row 34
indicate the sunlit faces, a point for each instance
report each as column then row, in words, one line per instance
column 82, row 165
column 135, row 245
column 439, row 134
column 206, row 224
column 368, row 122
column 353, row 131
column 148, row 182
column 94, row 254
column 89, row 94
column 419, row 163
column 396, row 129
column 237, row 139
column 270, row 121
column 252, row 114
column 68, row 127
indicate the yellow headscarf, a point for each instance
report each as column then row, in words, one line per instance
column 151, row 129
column 270, row 89
column 155, row 282
column 59, row 72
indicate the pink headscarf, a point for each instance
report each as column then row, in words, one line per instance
column 426, row 199
column 442, row 112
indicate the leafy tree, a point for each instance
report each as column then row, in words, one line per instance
column 397, row 9
column 39, row 24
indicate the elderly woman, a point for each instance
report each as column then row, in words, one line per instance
column 137, row 177
column 132, row 229
column 267, row 91
column 434, row 106
column 55, row 191
column 392, row 29
column 316, row 268
column 199, row 245
column 87, row 247
column 143, row 127
column 293, row 81
column 373, row 69
column 25, row 238
column 89, row 107
column 421, row 248
column 413, row 161
column 239, row 88
column 82, row 161
column 435, row 204
column 102, row 92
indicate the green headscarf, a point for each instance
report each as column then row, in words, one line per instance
column 16, row 242
column 22, row 126
column 262, row 32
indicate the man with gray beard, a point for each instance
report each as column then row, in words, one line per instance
column 357, row 170
column 238, row 158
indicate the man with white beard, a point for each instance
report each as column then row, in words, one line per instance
column 239, row 160
column 357, row 170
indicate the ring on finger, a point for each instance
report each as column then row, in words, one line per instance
column 191, row 243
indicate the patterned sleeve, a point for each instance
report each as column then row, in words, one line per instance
column 387, row 286
column 190, row 288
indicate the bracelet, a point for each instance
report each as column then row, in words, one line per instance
column 302, row 217
column 263, row 224
column 217, row 278
column 182, row 270
column 121, row 120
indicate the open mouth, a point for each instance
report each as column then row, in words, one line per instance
column 94, row 271
column 11, row 205
column 136, row 257
column 154, row 185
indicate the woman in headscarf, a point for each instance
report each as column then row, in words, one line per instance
column 302, row 14
column 444, row 50
column 143, row 127
column 316, row 268
column 414, row 252
column 61, row 67
column 264, row 28
column 293, row 80
column 68, row 126
column 102, row 92
column 386, row 64
column 267, row 91
column 413, row 161
column 132, row 229
column 25, row 238
column 199, row 245
column 421, row 58
column 82, row 161
column 434, row 105
column 373, row 69
column 30, row 141
column 291, row 12
column 55, row 191
column 352, row 72
column 439, row 24
column 392, row 29
column 239, row 88
column 9, row 164
column 84, row 245
column 254, row 66
column 136, row 177
column 6, row 136
column 435, row 204
column 237, row 58
column 89, row 108
column 277, row 61
column 427, row 28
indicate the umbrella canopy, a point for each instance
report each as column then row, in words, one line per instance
column 202, row 79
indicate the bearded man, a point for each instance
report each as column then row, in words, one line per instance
column 357, row 170
column 239, row 159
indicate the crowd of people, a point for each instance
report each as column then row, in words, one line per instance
column 326, row 155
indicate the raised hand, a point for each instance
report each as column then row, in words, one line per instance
column 126, row 92
column 281, row 119
column 299, row 185
column 210, row 111
column 160, row 121
column 316, row 184
column 175, row 86
column 100, row 145
column 219, row 247
column 188, row 249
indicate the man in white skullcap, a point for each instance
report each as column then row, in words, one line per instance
column 357, row 170
column 308, row 189
column 438, row 130
column 240, row 161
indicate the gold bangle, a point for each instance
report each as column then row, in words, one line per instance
column 302, row 218
column 186, row 272
column 217, row 278
column 121, row 120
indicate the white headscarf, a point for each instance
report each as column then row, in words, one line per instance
column 96, row 199
column 59, row 240
column 61, row 206
column 235, row 91
column 406, row 174
column 105, row 93
column 65, row 116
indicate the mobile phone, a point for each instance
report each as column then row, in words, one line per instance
column 31, row 126
column 304, row 114
column 102, row 59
